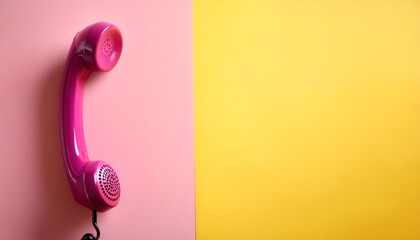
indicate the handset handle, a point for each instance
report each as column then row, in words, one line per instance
column 71, row 114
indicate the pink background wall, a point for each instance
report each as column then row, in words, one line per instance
column 138, row 117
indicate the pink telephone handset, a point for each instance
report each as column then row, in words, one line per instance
column 94, row 184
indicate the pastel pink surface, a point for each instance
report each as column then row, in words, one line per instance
column 137, row 117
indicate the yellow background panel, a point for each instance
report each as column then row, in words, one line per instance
column 307, row 120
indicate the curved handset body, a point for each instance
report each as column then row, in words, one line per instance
column 94, row 184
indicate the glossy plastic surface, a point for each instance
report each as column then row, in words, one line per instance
column 94, row 184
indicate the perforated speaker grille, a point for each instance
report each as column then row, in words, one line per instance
column 106, row 47
column 110, row 185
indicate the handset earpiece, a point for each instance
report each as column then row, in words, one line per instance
column 94, row 184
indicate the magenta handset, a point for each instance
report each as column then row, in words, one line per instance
column 94, row 184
